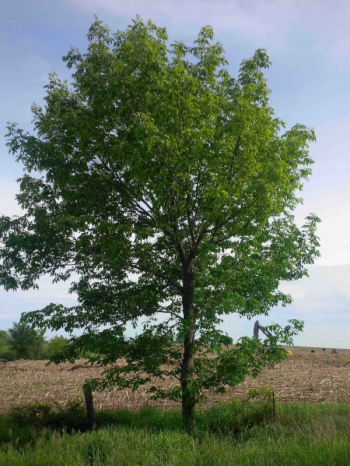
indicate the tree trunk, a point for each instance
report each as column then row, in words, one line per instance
column 188, row 393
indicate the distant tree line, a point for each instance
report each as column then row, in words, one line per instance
column 23, row 342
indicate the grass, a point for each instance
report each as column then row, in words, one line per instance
column 228, row 434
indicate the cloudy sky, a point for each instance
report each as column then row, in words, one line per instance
column 309, row 45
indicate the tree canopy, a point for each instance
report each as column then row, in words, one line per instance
column 25, row 342
column 168, row 188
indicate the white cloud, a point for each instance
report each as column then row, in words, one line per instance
column 322, row 301
column 272, row 22
column 326, row 335
column 324, row 286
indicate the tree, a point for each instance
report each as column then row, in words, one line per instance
column 55, row 345
column 5, row 350
column 167, row 186
column 25, row 341
column 3, row 342
column 3, row 339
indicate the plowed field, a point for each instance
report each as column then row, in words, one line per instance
column 320, row 377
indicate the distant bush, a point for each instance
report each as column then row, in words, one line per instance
column 3, row 340
column 5, row 350
column 55, row 345
column 25, row 342
column 22, row 341
column 9, row 355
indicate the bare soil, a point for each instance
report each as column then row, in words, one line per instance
column 307, row 377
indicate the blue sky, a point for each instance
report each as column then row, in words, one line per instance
column 309, row 45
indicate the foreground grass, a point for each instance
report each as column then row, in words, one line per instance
column 302, row 435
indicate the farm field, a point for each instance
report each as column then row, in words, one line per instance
column 316, row 378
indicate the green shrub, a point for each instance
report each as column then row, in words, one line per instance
column 69, row 416
column 8, row 354
column 33, row 414
column 234, row 416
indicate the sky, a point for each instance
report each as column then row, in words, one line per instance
column 308, row 43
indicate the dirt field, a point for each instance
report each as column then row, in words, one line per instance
column 306, row 377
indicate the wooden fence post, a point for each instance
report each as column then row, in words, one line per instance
column 89, row 403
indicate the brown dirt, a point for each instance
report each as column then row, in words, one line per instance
column 319, row 377
column 78, row 367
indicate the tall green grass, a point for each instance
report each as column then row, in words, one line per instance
column 303, row 434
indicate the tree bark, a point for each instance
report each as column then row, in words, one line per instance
column 188, row 394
